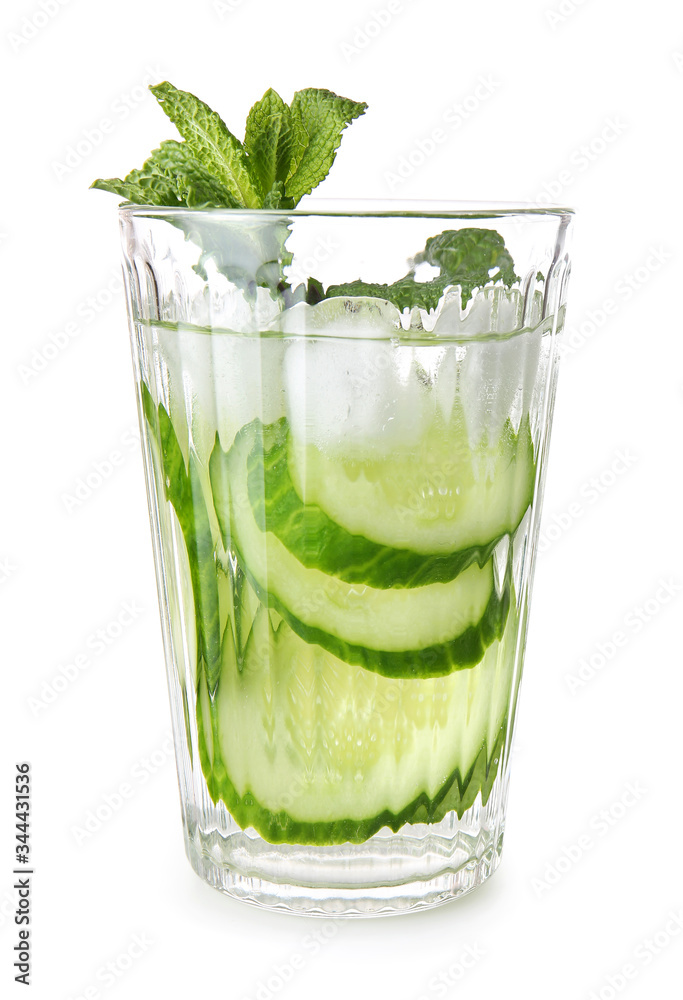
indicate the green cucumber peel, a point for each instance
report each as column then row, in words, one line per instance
column 460, row 653
column 465, row 649
column 320, row 543
column 457, row 794
column 183, row 489
column 345, row 812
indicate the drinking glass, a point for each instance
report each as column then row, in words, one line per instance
column 344, row 491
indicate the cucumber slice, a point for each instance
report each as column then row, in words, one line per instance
column 442, row 498
column 183, row 488
column 420, row 632
column 308, row 749
column 319, row 543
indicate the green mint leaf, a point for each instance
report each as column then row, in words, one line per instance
column 124, row 188
column 268, row 140
column 171, row 176
column 194, row 185
column 147, row 186
column 314, row 292
column 211, row 142
column 470, row 258
column 318, row 119
column 274, row 197
column 404, row 293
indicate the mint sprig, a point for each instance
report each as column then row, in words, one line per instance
column 287, row 151
column 470, row 258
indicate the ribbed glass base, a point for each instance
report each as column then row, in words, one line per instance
column 417, row 868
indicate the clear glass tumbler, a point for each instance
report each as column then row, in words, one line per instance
column 344, row 482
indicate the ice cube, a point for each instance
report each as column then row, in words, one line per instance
column 447, row 381
column 349, row 382
column 355, row 317
column 247, row 381
column 498, row 367
column 223, row 374
column 497, row 379
column 493, row 309
column 184, row 363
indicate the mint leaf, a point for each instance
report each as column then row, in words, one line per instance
column 404, row 293
column 275, row 197
column 470, row 258
column 268, row 140
column 211, row 142
column 193, row 184
column 318, row 119
column 314, row 292
column 125, row 188
column 171, row 176
column 147, row 186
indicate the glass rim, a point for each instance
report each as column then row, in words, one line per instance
column 364, row 208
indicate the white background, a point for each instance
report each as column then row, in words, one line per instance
column 584, row 108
